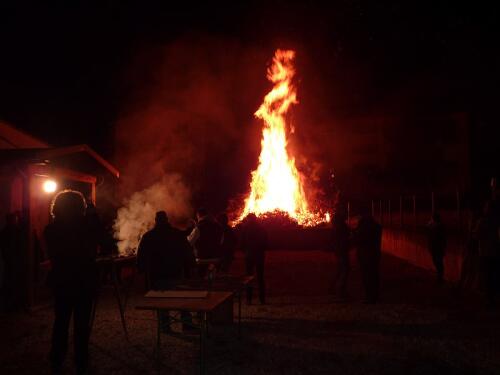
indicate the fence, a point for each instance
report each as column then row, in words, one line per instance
column 404, row 219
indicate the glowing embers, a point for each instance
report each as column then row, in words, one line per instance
column 276, row 185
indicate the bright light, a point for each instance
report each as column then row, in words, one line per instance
column 49, row 186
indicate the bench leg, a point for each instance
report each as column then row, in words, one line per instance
column 203, row 342
column 158, row 341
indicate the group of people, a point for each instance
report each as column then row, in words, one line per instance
column 165, row 254
column 366, row 237
column 481, row 261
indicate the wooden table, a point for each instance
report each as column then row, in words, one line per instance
column 203, row 306
column 231, row 283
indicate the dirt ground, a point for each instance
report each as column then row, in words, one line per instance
column 417, row 328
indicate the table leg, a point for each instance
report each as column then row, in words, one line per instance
column 118, row 298
column 203, row 342
column 239, row 314
column 127, row 291
column 158, row 340
column 92, row 313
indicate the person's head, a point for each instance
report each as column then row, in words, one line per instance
column 365, row 211
column 223, row 219
column 161, row 218
column 436, row 217
column 201, row 213
column 251, row 219
column 68, row 205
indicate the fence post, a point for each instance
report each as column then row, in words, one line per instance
column 348, row 212
column 390, row 214
column 380, row 211
column 433, row 207
column 414, row 211
column 401, row 211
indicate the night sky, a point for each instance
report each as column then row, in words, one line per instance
column 64, row 69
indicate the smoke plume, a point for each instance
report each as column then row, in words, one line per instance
column 170, row 194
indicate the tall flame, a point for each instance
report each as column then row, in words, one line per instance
column 276, row 183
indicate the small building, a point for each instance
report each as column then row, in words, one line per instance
column 31, row 173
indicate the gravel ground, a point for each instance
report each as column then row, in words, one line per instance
column 417, row 328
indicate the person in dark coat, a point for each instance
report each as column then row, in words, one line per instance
column 72, row 248
column 164, row 254
column 340, row 244
column 489, row 253
column 228, row 244
column 254, row 243
column 205, row 238
column 166, row 257
column 368, row 238
column 437, row 244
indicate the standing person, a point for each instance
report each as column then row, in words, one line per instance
column 205, row 238
column 229, row 242
column 368, row 239
column 254, row 244
column 340, row 244
column 165, row 256
column 72, row 247
column 470, row 261
column 489, row 253
column 437, row 244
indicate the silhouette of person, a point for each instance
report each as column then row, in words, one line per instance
column 368, row 238
column 437, row 244
column 165, row 256
column 72, row 248
column 205, row 238
column 340, row 244
column 489, row 253
column 229, row 242
column 470, row 262
column 254, row 243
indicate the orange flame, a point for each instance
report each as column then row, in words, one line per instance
column 276, row 183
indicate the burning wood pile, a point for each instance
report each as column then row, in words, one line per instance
column 277, row 187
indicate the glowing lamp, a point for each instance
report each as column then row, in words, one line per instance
column 49, row 186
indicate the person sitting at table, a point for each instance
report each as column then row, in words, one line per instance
column 72, row 244
column 205, row 238
column 254, row 244
column 165, row 256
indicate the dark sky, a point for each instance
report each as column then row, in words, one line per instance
column 63, row 68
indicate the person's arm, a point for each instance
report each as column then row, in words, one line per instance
column 193, row 238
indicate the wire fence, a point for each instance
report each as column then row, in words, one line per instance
column 412, row 212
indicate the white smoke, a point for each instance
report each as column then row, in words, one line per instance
column 138, row 213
